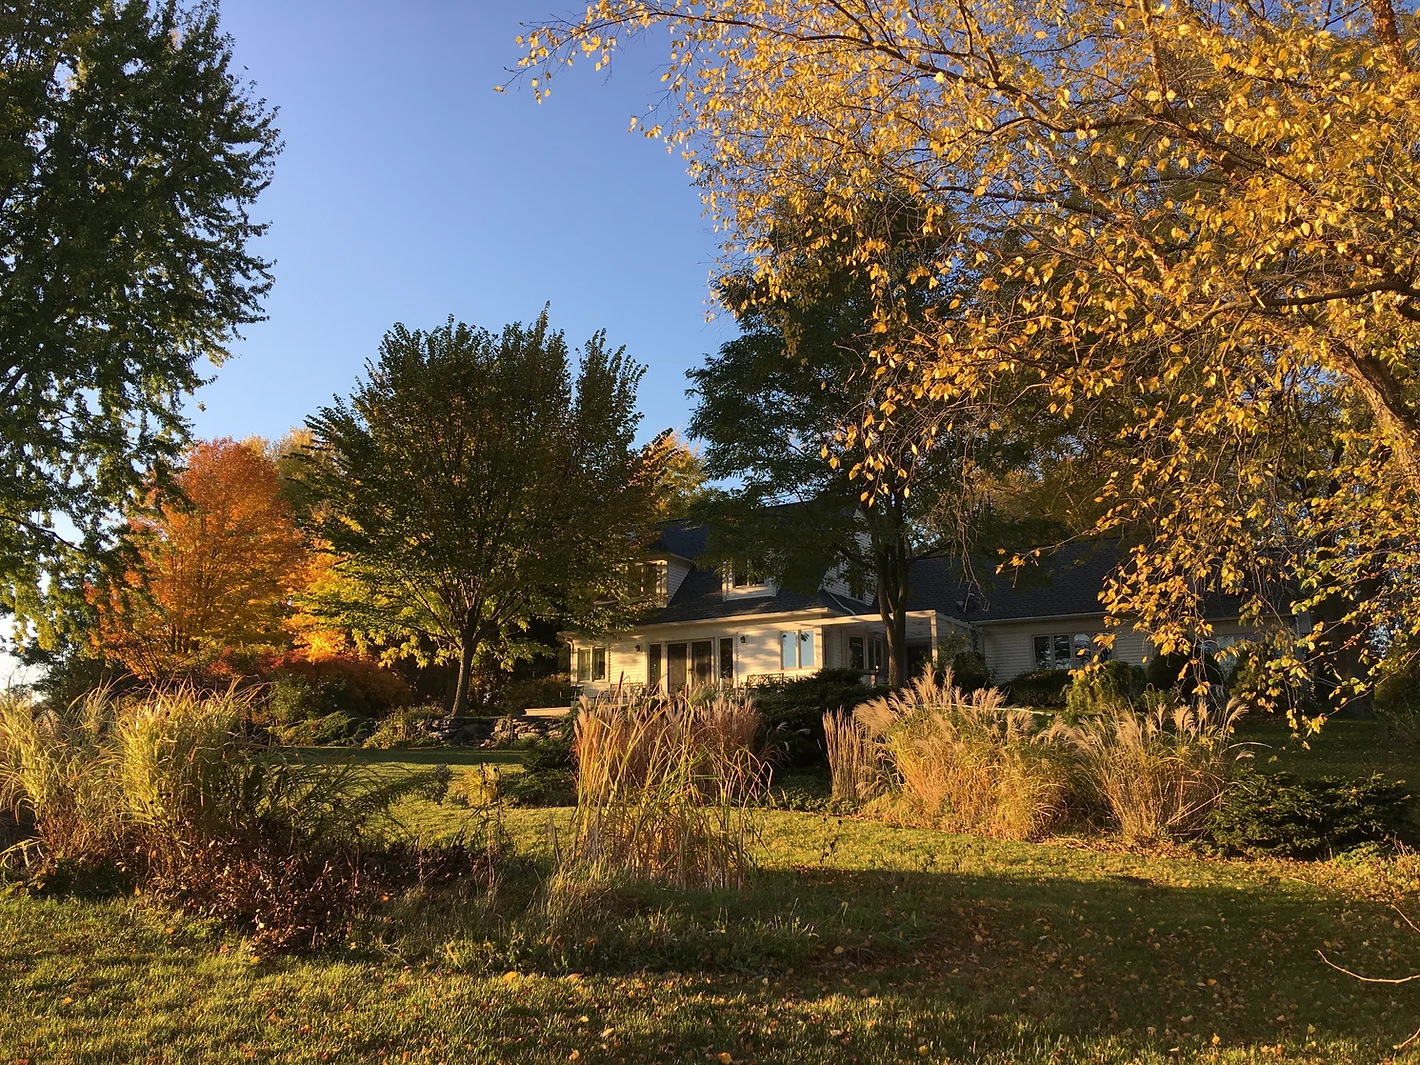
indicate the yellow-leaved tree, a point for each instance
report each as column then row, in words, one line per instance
column 1192, row 226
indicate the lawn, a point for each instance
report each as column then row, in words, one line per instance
column 855, row 942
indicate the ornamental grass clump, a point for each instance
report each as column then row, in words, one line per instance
column 665, row 786
column 853, row 758
column 1161, row 772
column 170, row 793
column 967, row 763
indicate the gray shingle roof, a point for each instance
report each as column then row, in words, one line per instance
column 1063, row 582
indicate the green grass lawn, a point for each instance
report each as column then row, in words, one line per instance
column 855, row 942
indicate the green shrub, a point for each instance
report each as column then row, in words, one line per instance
column 548, row 777
column 793, row 712
column 329, row 701
column 516, row 696
column 404, row 728
column 1397, row 697
column 1044, row 688
column 1102, row 688
column 970, row 671
column 1280, row 816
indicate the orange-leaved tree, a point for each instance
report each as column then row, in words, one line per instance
column 217, row 568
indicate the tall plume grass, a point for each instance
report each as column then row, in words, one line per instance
column 664, row 786
column 1159, row 772
column 967, row 763
column 853, row 758
column 170, row 791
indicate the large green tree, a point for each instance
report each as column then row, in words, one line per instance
column 772, row 405
column 130, row 156
column 475, row 482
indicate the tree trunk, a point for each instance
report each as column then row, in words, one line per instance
column 892, row 566
column 469, row 641
column 1388, row 34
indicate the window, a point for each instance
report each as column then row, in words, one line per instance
column 702, row 661
column 651, row 584
column 675, row 665
column 856, row 659
column 727, row 658
column 1067, row 650
column 653, row 666
column 796, row 650
column 591, row 664
column 746, row 576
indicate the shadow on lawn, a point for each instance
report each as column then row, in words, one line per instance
column 1071, row 957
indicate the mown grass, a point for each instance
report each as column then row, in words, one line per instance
column 855, row 941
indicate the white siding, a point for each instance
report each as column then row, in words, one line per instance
column 1009, row 646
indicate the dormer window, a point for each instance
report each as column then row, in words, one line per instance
column 745, row 582
column 653, row 581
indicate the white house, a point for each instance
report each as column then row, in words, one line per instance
column 711, row 627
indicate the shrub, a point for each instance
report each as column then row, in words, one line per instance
column 1397, row 697
column 516, row 696
column 404, row 728
column 852, row 758
column 970, row 671
column 793, row 712
column 968, row 763
column 333, row 700
column 1103, row 687
column 1159, row 773
column 1280, row 816
column 548, row 777
column 664, row 786
column 1044, row 688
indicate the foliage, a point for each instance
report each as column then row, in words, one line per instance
column 1103, row 687
column 1397, row 697
column 663, row 789
column 548, row 777
column 970, row 671
column 531, row 493
column 1159, row 773
column 216, row 568
column 1039, row 688
column 517, row 695
column 1179, row 224
column 131, row 158
column 680, row 475
column 793, row 711
column 770, row 403
column 404, row 727
column 1282, row 816
column 170, row 792
column 967, row 763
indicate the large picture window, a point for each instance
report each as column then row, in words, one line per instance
column 1067, row 650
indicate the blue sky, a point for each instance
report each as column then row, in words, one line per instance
column 409, row 190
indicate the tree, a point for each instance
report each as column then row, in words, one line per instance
column 129, row 160
column 217, row 570
column 476, row 481
column 680, row 478
column 771, row 407
column 1205, row 219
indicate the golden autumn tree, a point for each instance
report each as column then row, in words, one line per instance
column 218, row 568
column 1192, row 225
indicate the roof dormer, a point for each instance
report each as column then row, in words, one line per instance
column 743, row 582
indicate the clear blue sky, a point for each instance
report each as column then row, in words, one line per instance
column 409, row 190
